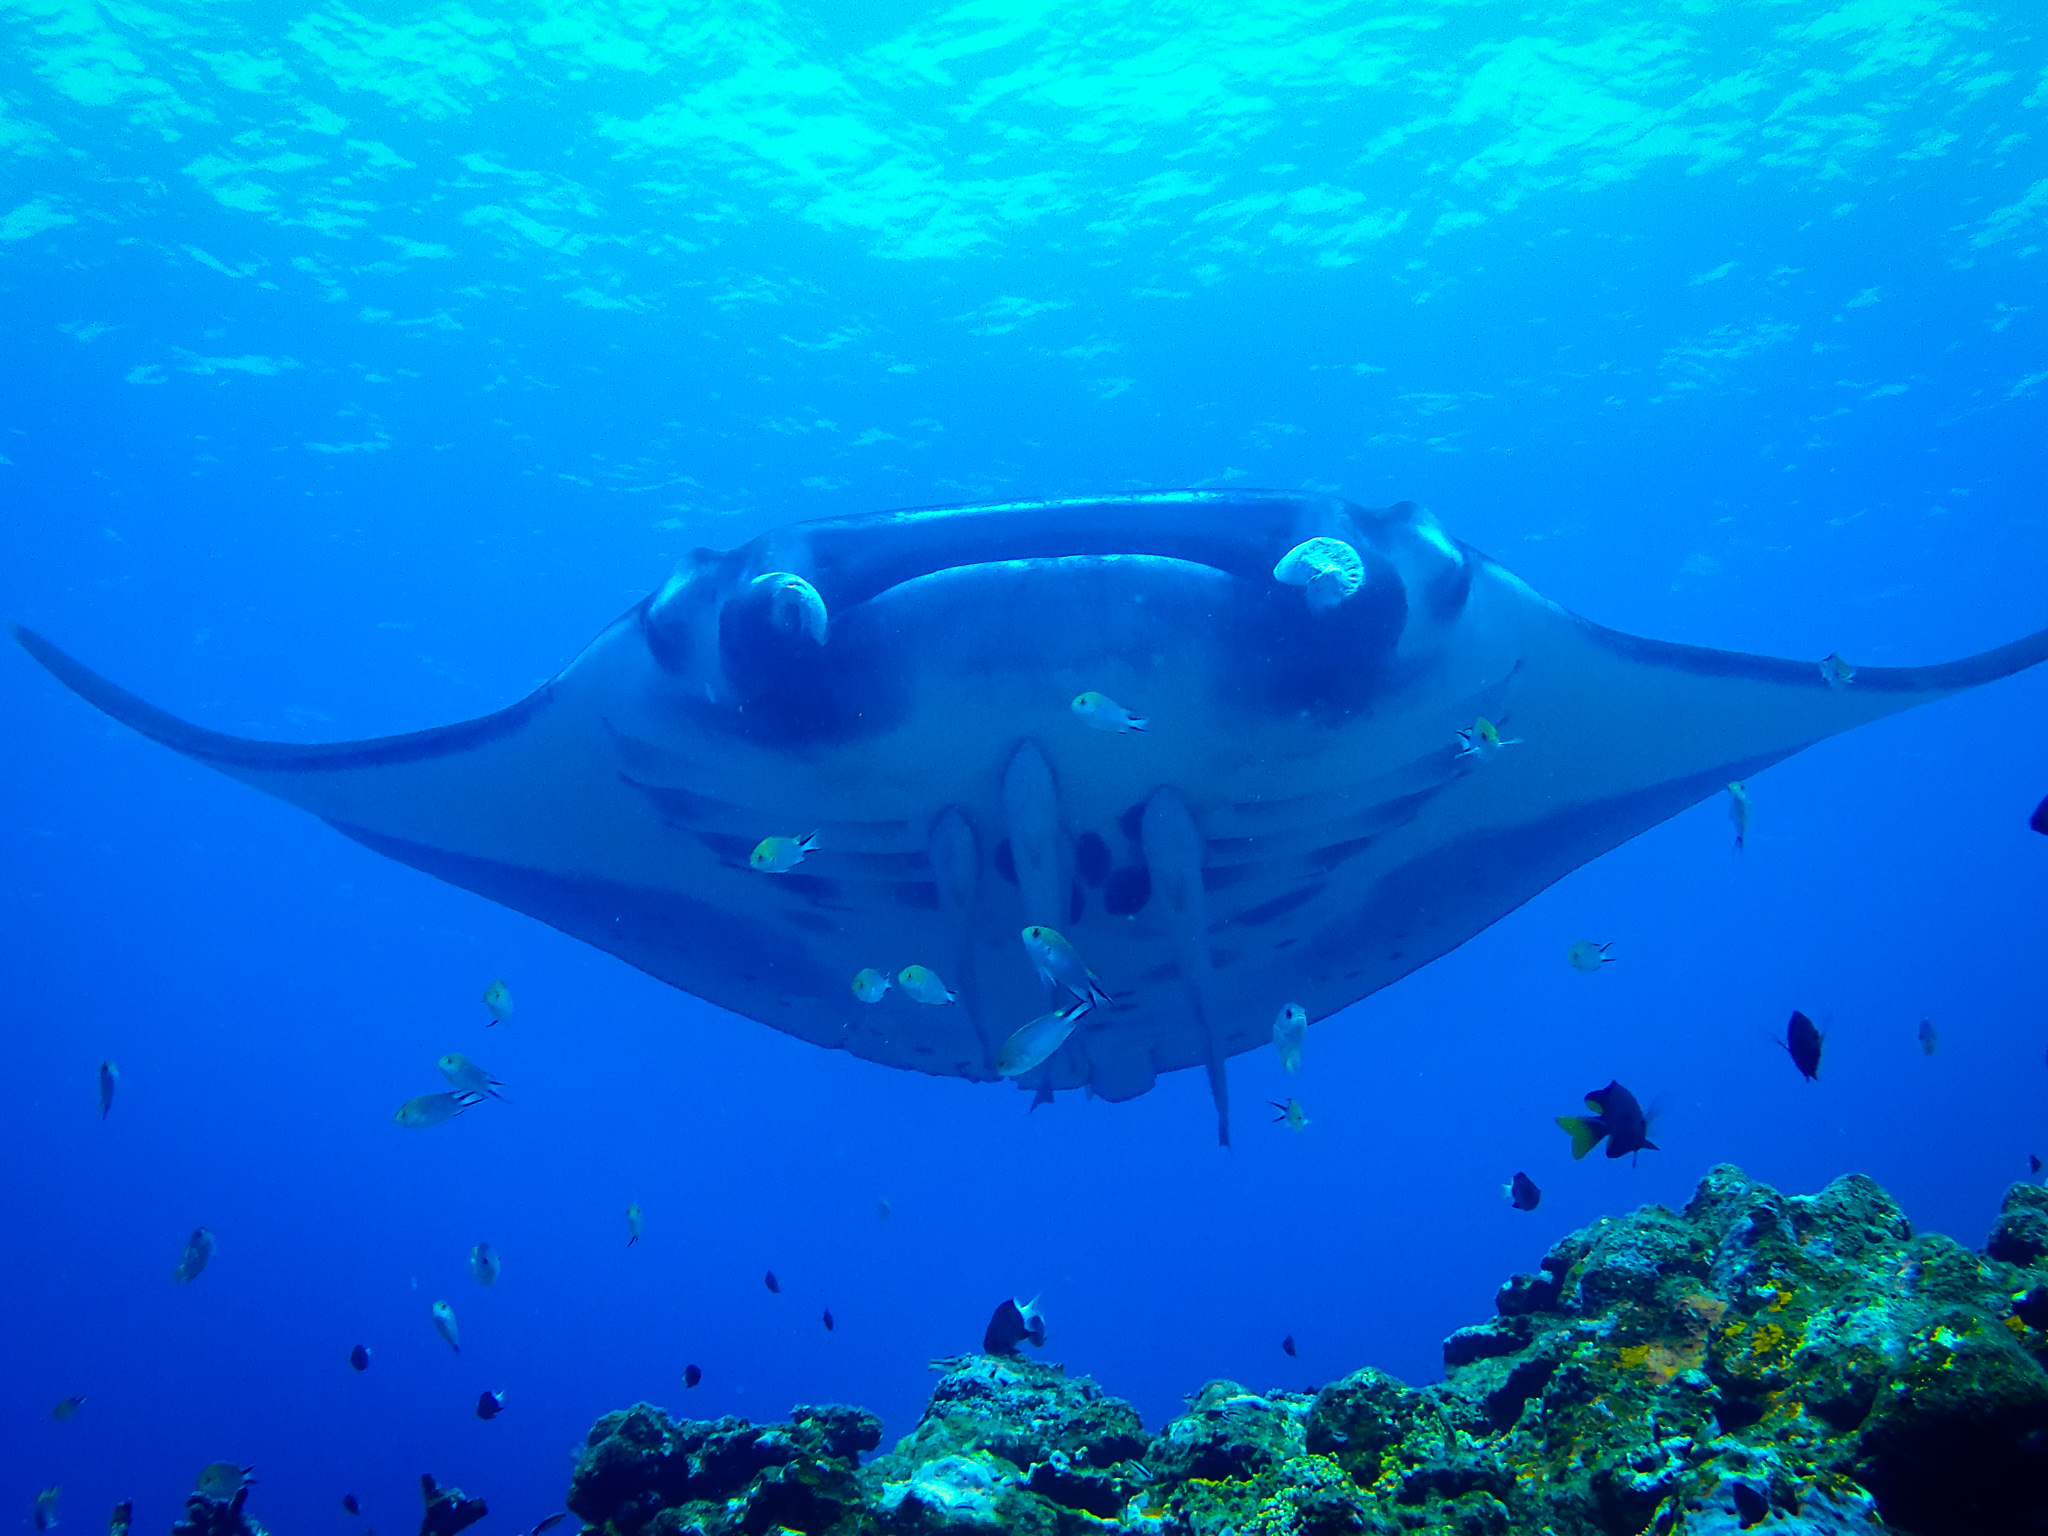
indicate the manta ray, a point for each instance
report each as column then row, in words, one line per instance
column 1362, row 743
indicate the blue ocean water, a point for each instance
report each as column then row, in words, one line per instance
column 364, row 361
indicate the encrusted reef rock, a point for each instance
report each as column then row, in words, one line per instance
column 1784, row 1364
column 205, row 1516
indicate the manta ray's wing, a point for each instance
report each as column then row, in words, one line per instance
column 1612, row 734
column 525, row 806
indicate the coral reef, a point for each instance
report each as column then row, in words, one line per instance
column 1788, row 1364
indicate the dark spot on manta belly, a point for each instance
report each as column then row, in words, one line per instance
column 1127, row 891
column 1005, row 861
column 1091, row 858
column 921, row 894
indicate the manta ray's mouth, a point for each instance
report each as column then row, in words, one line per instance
column 1135, row 563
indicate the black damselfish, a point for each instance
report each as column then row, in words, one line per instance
column 774, row 1285
column 1014, row 1323
column 490, row 1404
column 1617, row 1118
column 359, row 1357
column 2039, row 820
column 348, row 1502
column 1523, row 1194
column 692, row 1375
column 1802, row 1044
column 828, row 1319
column 1288, row 1345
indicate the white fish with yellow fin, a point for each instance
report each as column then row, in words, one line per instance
column 222, row 1480
column 870, row 985
column 1482, row 739
column 498, row 1001
column 1105, row 714
column 1738, row 811
column 1291, row 1114
column 922, row 984
column 1587, row 957
column 1059, row 964
column 1290, row 1030
column 1036, row 1041
column 779, row 855
column 434, row 1109
column 444, row 1325
column 466, row 1077
column 198, row 1254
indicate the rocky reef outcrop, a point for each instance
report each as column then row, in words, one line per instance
column 1784, row 1364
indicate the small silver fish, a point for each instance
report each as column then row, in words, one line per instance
column 1738, row 811
column 1588, row 957
column 1059, row 963
column 924, row 986
column 498, row 1001
column 198, row 1251
column 779, row 855
column 870, row 985
column 465, row 1076
column 1290, row 1113
column 1290, row 1030
column 444, row 1324
column 1835, row 672
column 221, row 1480
column 1105, row 714
column 1038, row 1040
column 434, row 1108
column 45, row 1509
column 68, row 1409
column 485, row 1264
column 110, row 1075
column 1482, row 740
column 632, row 1223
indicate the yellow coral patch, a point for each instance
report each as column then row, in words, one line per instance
column 1660, row 1362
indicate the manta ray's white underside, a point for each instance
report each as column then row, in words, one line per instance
column 1296, row 824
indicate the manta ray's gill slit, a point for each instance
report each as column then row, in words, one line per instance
column 1277, row 907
